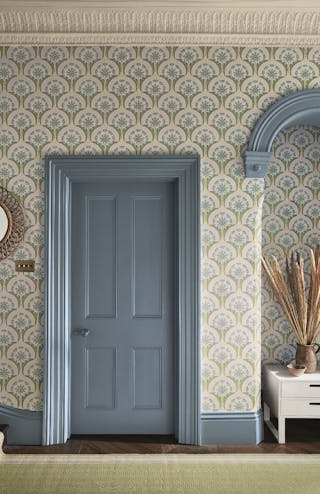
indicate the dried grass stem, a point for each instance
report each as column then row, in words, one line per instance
column 302, row 311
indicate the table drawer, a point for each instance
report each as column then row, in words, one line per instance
column 303, row 408
column 297, row 389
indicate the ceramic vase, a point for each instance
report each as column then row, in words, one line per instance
column 306, row 355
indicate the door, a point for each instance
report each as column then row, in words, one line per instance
column 122, row 308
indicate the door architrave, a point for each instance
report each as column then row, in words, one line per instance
column 61, row 173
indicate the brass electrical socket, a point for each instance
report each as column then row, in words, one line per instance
column 25, row 266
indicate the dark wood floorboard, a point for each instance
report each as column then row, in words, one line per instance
column 303, row 436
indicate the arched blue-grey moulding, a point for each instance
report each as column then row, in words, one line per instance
column 302, row 107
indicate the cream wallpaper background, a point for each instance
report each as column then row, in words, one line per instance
column 291, row 220
column 151, row 100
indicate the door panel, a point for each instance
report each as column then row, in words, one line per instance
column 100, row 280
column 100, row 377
column 147, row 246
column 122, row 292
column 147, row 377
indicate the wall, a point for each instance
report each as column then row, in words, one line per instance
column 290, row 222
column 104, row 100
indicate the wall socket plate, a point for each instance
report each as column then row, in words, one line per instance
column 25, row 266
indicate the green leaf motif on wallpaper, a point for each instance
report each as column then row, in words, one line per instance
column 163, row 100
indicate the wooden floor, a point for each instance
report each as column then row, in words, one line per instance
column 303, row 436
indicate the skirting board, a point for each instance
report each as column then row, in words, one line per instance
column 232, row 428
column 25, row 426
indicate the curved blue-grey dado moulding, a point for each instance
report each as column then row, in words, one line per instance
column 302, row 107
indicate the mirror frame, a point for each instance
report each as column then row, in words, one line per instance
column 16, row 223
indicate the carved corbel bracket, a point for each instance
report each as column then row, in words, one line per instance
column 256, row 163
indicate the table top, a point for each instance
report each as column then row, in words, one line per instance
column 282, row 374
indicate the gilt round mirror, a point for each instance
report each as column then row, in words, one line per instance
column 11, row 223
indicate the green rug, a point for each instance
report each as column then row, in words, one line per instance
column 155, row 474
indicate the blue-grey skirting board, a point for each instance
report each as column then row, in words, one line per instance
column 232, row 428
column 25, row 426
column 216, row 428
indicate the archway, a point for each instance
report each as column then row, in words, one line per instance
column 302, row 107
column 276, row 129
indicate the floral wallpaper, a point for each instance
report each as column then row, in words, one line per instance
column 290, row 222
column 168, row 100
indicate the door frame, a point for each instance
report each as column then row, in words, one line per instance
column 61, row 173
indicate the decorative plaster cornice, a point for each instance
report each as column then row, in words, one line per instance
column 145, row 39
column 164, row 4
column 145, row 25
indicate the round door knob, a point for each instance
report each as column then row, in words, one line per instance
column 81, row 332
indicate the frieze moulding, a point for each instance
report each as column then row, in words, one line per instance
column 171, row 25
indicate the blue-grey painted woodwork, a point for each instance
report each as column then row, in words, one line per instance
column 302, row 107
column 147, row 246
column 122, row 250
column 232, row 428
column 147, row 374
column 25, row 426
column 256, row 163
column 99, row 217
column 216, row 428
column 61, row 173
column 99, row 378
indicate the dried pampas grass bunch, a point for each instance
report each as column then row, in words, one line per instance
column 302, row 311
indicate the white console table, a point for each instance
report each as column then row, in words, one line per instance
column 286, row 396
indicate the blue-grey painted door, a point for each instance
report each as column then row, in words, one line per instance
column 123, row 295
